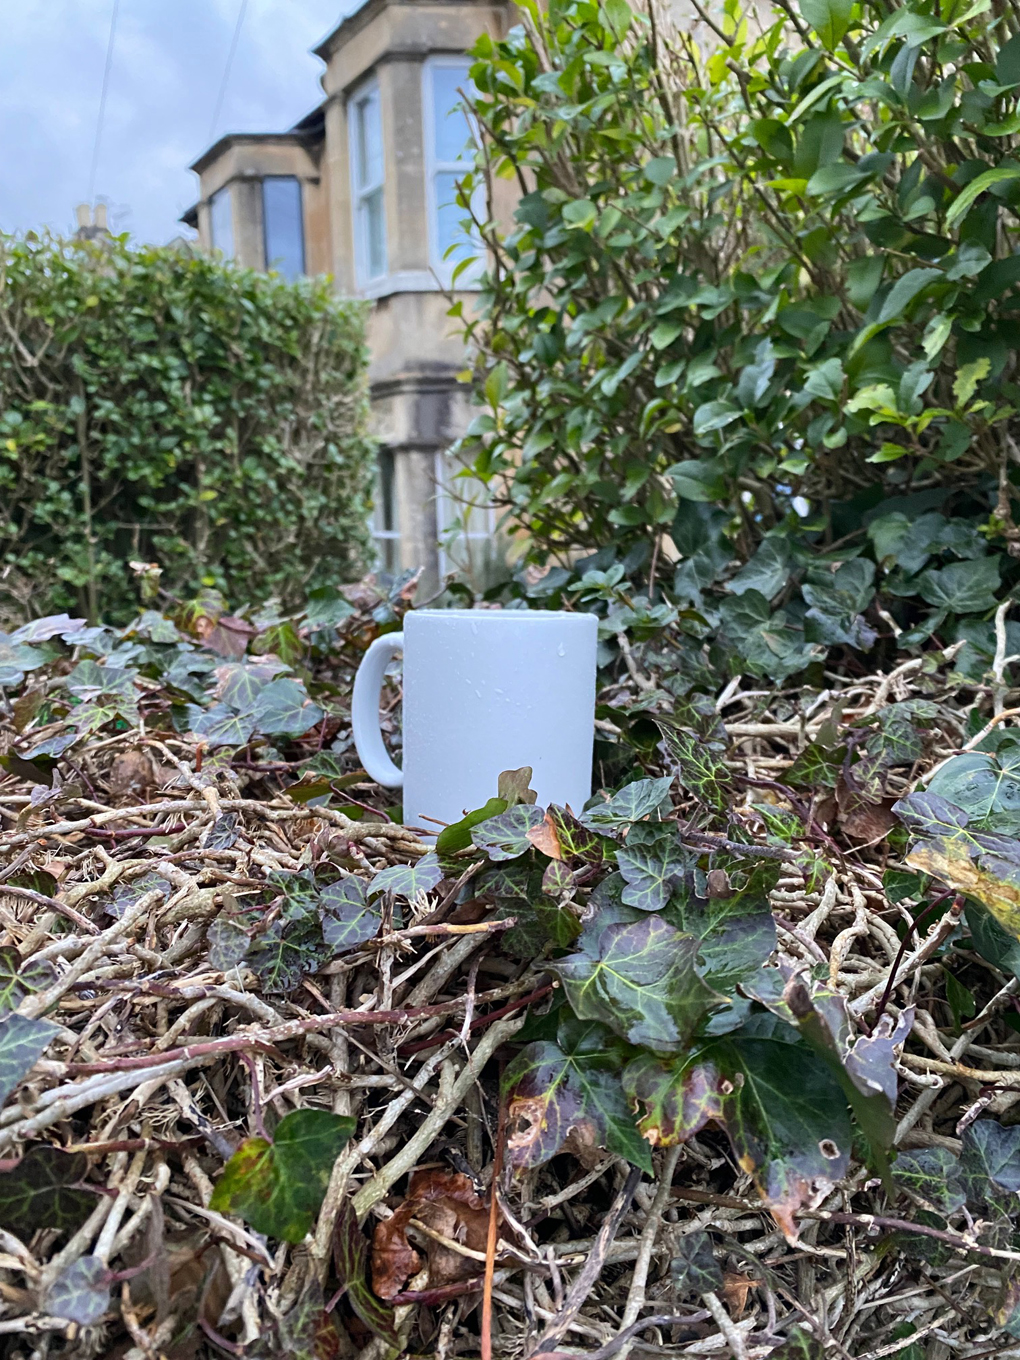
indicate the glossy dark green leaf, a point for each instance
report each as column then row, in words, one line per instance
column 990, row 1160
column 787, row 1119
column 630, row 804
column 22, row 1042
column 735, row 933
column 962, row 587
column 283, row 709
column 43, row 1191
column 650, row 874
column 457, row 836
column 677, row 1098
column 408, row 880
column 986, row 786
column 642, row 981
column 700, row 766
column 18, row 979
column 278, row 1187
column 506, row 836
column 229, row 938
column 290, row 947
column 933, row 1174
column 572, row 1084
column 693, row 1268
column 221, row 726
column 348, row 918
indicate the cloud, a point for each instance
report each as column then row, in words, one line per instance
column 168, row 63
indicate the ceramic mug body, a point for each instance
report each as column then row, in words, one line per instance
column 484, row 691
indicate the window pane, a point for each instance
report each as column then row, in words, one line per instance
column 284, row 226
column 368, row 139
column 450, row 128
column 384, row 514
column 221, row 222
column 375, row 234
column 449, row 215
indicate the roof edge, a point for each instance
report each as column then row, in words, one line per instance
column 224, row 143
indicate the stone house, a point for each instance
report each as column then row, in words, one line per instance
column 362, row 189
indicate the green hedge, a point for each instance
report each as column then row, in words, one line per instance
column 159, row 405
column 751, row 338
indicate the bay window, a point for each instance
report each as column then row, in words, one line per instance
column 283, row 225
column 448, row 157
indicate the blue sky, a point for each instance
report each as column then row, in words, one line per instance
column 168, row 62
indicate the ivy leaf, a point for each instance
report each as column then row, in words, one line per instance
column 980, row 864
column 291, row 946
column 240, row 685
column 990, row 1160
column 43, row 1191
column 283, row 709
column 651, row 874
column 22, row 1042
column 278, row 1187
column 679, row 1097
column 963, row 587
column 228, row 939
column 642, row 981
column 694, row 1269
column 934, row 1174
column 572, row 1084
column 630, row 804
column 81, row 1293
column 506, row 836
column 408, row 880
column 569, row 839
column 986, row 786
column 787, row 1120
column 351, row 1253
column 348, row 919
column 701, row 769
column 221, row 726
column 735, row 934
column 800, row 1345
column 457, row 836
column 17, row 979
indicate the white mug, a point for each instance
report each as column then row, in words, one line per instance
column 485, row 690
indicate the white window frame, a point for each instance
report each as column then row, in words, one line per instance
column 449, row 509
column 384, row 537
column 368, row 91
column 433, row 168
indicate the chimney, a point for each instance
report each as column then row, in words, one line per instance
column 84, row 215
column 100, row 219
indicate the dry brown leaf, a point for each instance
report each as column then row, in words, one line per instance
column 444, row 1201
column 544, row 837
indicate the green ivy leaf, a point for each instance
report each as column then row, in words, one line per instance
column 641, row 980
column 408, row 880
column 990, row 1160
column 963, row 587
column 17, row 979
column 221, row 726
column 986, row 786
column 43, row 1191
column 651, row 874
column 278, row 1187
column 283, row 709
column 678, row 1098
column 348, row 918
column 694, row 1269
column 932, row 1173
column 506, row 836
column 22, row 1042
column 630, row 804
column 574, row 1083
column 700, row 765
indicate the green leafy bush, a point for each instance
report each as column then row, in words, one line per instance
column 751, row 338
column 158, row 405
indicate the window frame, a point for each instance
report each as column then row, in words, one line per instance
column 449, row 509
column 225, row 194
column 387, row 541
column 367, row 91
column 295, row 179
column 434, row 167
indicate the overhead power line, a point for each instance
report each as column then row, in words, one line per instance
column 102, row 101
column 226, row 71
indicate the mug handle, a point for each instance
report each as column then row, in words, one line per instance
column 365, row 711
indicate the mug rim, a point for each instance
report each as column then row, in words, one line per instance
column 533, row 615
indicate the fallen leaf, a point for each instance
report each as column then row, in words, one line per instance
column 544, row 838
column 444, row 1201
column 735, row 1291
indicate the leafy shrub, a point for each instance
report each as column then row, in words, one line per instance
column 751, row 340
column 157, row 404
